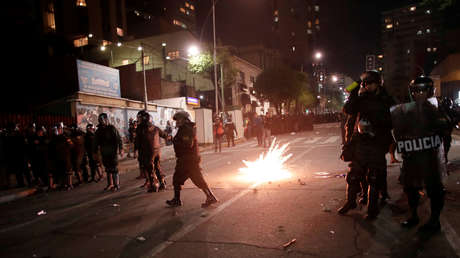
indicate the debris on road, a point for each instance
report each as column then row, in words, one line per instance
column 341, row 175
column 301, row 182
column 332, row 232
column 115, row 205
column 289, row 243
column 42, row 212
column 325, row 208
column 140, row 239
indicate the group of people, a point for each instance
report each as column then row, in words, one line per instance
column 224, row 127
column 52, row 157
column 417, row 128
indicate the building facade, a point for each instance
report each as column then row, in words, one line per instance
column 411, row 41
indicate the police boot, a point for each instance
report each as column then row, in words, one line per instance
column 162, row 184
column 351, row 201
column 153, row 183
column 69, row 185
column 175, row 202
column 51, row 185
column 413, row 220
column 79, row 177
column 210, row 198
column 433, row 225
column 372, row 206
column 363, row 199
column 109, row 182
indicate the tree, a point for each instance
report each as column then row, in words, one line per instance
column 281, row 86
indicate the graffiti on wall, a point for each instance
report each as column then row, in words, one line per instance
column 88, row 114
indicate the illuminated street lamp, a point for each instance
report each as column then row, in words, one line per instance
column 318, row 55
column 193, row 51
column 334, row 78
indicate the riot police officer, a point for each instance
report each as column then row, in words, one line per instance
column 147, row 143
column 78, row 153
column 371, row 104
column 108, row 142
column 62, row 146
column 188, row 160
column 418, row 128
column 93, row 156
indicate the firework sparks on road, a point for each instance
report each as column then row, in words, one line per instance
column 268, row 167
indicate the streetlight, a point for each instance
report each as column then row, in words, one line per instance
column 193, row 51
column 334, row 78
column 318, row 55
column 214, row 54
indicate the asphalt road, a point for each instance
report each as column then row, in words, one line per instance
column 251, row 219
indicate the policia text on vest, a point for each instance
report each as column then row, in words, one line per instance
column 419, row 144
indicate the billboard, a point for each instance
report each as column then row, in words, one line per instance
column 98, row 79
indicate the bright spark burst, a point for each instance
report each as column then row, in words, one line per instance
column 268, row 167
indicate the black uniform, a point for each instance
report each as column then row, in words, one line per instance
column 371, row 143
column 78, row 154
column 94, row 159
column 108, row 141
column 147, row 142
column 188, row 157
column 61, row 154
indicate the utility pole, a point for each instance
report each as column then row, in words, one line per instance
column 214, row 54
column 222, row 85
column 145, row 81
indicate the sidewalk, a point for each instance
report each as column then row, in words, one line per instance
column 125, row 165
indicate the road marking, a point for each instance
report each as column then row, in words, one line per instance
column 315, row 139
column 189, row 228
column 295, row 140
column 331, row 139
column 451, row 235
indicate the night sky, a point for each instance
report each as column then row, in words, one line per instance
column 350, row 29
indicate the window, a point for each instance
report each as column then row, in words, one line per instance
column 428, row 11
column 146, row 60
column 293, row 48
column 276, row 13
column 428, row 30
column 428, row 49
column 309, row 31
column 292, row 34
column 182, row 10
column 408, row 51
column 435, row 49
column 50, row 23
column 80, row 42
column 387, row 20
column 81, row 3
column 276, row 19
column 419, row 32
column 316, row 8
column 179, row 23
column 242, row 76
column 412, row 8
column 317, row 21
column 192, row 7
column 120, row 32
column 173, row 54
column 187, row 4
column 389, row 26
column 309, row 24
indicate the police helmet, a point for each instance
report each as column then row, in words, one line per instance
column 181, row 115
column 102, row 117
column 369, row 77
column 144, row 115
column 422, row 83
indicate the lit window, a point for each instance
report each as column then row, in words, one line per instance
column 428, row 30
column 292, row 33
column 293, row 48
column 173, row 55
column 179, row 23
column 389, row 26
column 408, row 51
column 419, row 32
column 317, row 27
column 276, row 19
column 276, row 13
column 435, row 49
column 81, row 3
column 125, row 62
column 50, row 22
column 317, row 21
column 412, row 8
column 106, row 42
column 380, row 69
column 309, row 24
column 192, row 7
column 309, row 31
column 316, row 8
column 428, row 11
column 292, row 10
column 182, row 10
column 387, row 20
column 380, row 56
column 120, row 32
column 435, row 62
column 146, row 60
column 187, row 4
column 428, row 49
column 80, row 42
